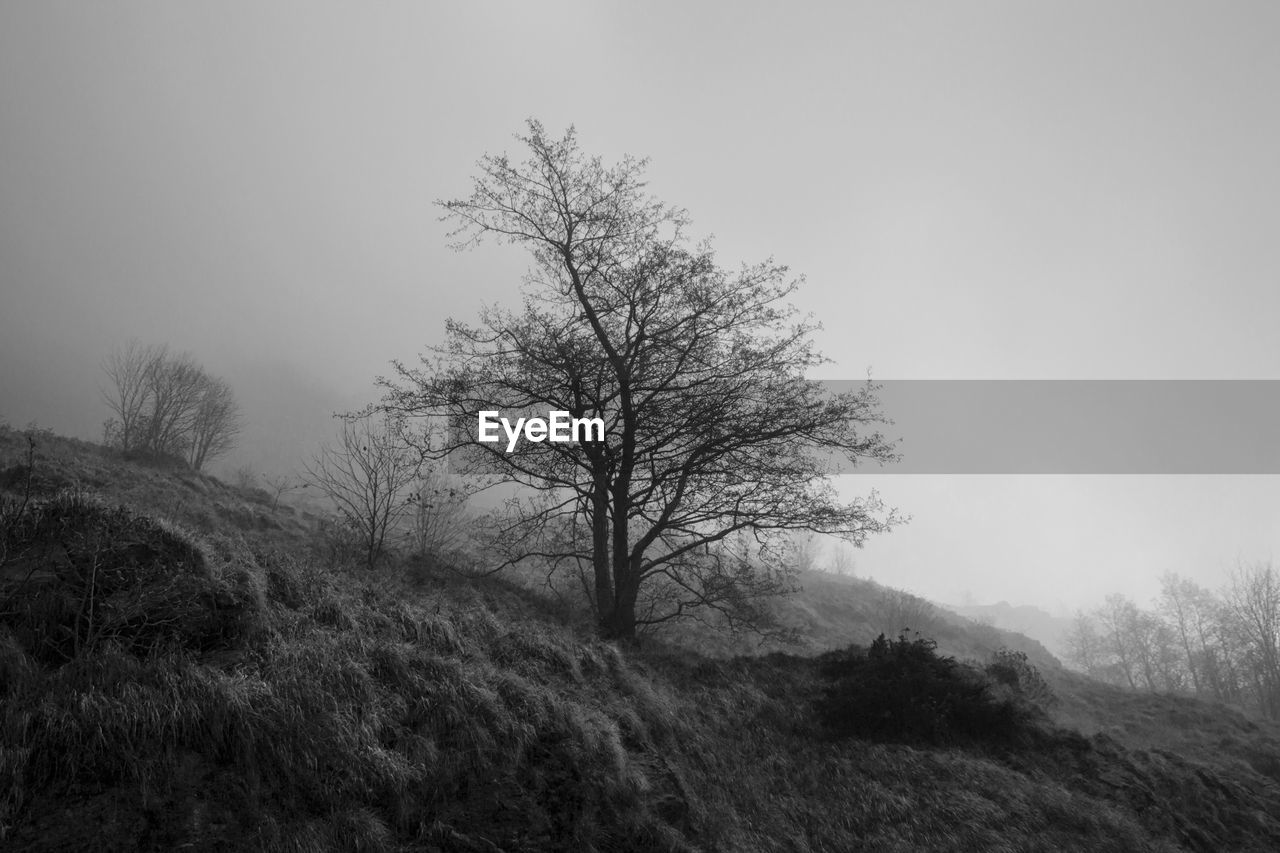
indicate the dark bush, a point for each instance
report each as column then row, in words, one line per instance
column 75, row 574
column 903, row 690
column 1011, row 669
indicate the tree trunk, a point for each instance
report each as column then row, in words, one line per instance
column 600, row 549
column 620, row 622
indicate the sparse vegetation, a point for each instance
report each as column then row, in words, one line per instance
column 235, row 694
column 440, row 527
column 367, row 475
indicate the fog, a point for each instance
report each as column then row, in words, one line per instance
column 972, row 191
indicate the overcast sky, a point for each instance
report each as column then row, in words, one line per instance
column 1083, row 190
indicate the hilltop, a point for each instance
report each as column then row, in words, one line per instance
column 1049, row 630
column 186, row 663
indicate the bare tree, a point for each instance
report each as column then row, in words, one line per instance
column 1117, row 617
column 128, row 368
column 1147, row 646
column 1253, row 602
column 215, row 423
column 804, row 549
column 167, row 406
column 1084, row 645
column 1190, row 610
column 1158, row 647
column 280, row 484
column 439, row 523
column 842, row 562
column 697, row 374
column 1143, row 648
column 1220, row 649
column 1225, row 645
column 367, row 476
column 175, row 385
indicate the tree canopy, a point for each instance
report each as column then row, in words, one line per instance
column 716, row 447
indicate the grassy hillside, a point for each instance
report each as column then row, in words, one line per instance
column 1049, row 630
column 183, row 667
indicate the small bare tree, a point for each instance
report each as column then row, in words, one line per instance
column 804, row 549
column 1085, row 646
column 842, row 562
column 1190, row 610
column 280, row 484
column 128, row 369
column 176, row 385
column 439, row 520
column 1253, row 605
column 367, row 476
column 246, row 478
column 1117, row 619
column 215, row 423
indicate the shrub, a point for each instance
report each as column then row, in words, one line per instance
column 337, row 543
column 77, row 574
column 903, row 690
column 1011, row 669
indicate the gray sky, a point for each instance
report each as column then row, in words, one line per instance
column 973, row 190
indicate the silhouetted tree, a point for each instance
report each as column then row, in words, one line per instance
column 1117, row 617
column 698, row 374
column 804, row 549
column 215, row 424
column 167, row 407
column 1085, row 645
column 439, row 521
column 367, row 476
column 1190, row 610
column 1253, row 603
column 128, row 369
column 842, row 562
column 281, row 483
column 175, row 385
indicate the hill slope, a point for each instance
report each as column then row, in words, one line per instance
column 1049, row 630
column 192, row 673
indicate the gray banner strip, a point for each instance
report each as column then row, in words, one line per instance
column 1079, row 426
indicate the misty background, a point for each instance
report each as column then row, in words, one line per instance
column 972, row 191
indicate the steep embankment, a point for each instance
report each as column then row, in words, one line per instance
column 203, row 681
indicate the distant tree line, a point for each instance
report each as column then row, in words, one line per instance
column 166, row 407
column 1221, row 645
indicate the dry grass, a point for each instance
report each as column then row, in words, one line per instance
column 314, row 710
